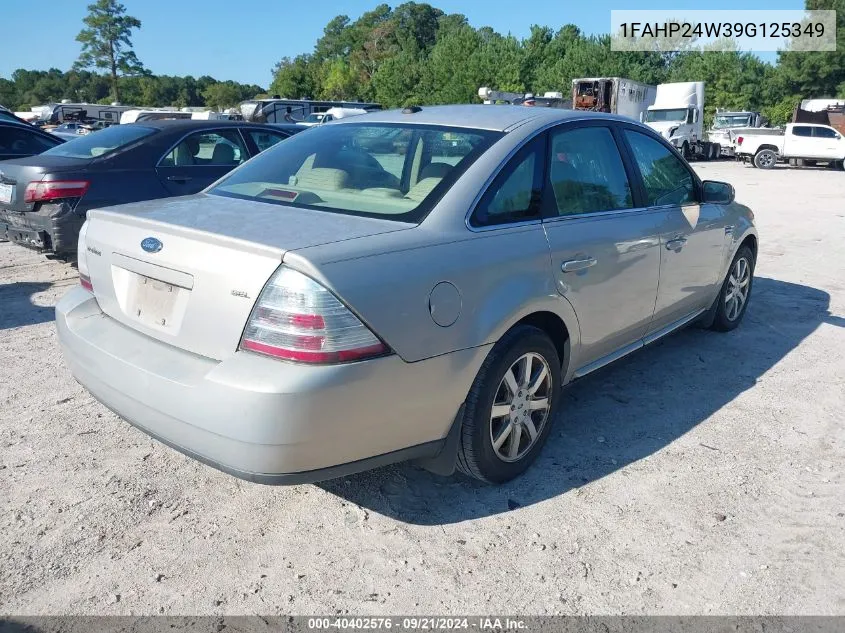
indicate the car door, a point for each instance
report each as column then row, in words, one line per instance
column 799, row 143
column 199, row 159
column 829, row 143
column 604, row 245
column 692, row 235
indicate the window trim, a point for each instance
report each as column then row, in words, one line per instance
column 550, row 210
column 696, row 181
column 537, row 145
column 237, row 131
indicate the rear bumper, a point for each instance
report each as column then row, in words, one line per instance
column 53, row 227
column 261, row 419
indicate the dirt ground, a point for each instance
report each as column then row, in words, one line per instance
column 702, row 475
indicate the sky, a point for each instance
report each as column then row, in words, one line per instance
column 242, row 40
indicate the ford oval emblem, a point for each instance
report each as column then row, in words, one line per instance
column 151, row 244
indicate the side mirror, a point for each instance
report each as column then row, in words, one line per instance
column 715, row 192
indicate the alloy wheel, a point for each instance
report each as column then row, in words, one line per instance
column 521, row 407
column 738, row 284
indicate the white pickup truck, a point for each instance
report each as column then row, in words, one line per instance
column 800, row 144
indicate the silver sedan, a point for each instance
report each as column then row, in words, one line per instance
column 414, row 284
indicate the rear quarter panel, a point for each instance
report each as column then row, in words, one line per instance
column 501, row 276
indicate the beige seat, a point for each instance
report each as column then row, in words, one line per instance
column 419, row 191
column 321, row 178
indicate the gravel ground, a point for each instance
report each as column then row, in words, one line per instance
column 702, row 475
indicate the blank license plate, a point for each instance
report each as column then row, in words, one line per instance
column 154, row 301
column 6, row 193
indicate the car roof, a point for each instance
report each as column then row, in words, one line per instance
column 188, row 124
column 500, row 118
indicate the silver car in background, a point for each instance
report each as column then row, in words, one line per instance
column 414, row 284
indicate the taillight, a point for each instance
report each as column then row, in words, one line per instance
column 47, row 190
column 85, row 282
column 82, row 259
column 739, row 140
column 295, row 318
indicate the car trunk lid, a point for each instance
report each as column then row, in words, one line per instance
column 16, row 175
column 187, row 271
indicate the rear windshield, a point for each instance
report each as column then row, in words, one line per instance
column 376, row 170
column 102, row 141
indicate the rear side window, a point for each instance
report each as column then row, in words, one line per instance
column 666, row 179
column 207, row 149
column 23, row 141
column 102, row 141
column 802, row 130
column 515, row 194
column 264, row 139
column 586, row 173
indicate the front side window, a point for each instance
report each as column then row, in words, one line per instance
column 823, row 132
column 207, row 149
column 802, row 130
column 586, row 173
column 371, row 169
column 102, row 142
column 515, row 194
column 665, row 177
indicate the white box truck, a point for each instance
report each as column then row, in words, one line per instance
column 678, row 116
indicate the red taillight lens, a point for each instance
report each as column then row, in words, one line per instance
column 739, row 140
column 297, row 319
column 47, row 190
column 85, row 282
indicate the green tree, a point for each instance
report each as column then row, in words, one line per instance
column 106, row 42
column 222, row 95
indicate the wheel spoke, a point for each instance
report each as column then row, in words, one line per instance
column 500, row 411
column 538, row 381
column 506, row 431
column 732, row 280
column 527, row 364
column 510, row 381
column 540, row 404
column 532, row 430
column 744, row 282
column 513, row 447
column 740, row 301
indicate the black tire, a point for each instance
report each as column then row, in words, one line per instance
column 765, row 159
column 685, row 151
column 476, row 455
column 722, row 321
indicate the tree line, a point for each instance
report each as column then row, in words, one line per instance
column 36, row 87
column 418, row 54
column 106, row 44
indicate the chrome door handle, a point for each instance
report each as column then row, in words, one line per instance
column 578, row 264
column 676, row 244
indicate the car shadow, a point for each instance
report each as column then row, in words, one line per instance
column 616, row 416
column 17, row 308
